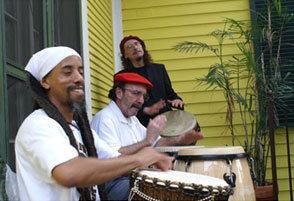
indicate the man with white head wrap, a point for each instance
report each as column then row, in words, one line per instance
column 56, row 151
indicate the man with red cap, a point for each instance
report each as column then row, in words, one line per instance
column 119, row 127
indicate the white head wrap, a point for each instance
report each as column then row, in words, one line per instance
column 42, row 62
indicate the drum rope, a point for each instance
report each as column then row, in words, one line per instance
column 135, row 190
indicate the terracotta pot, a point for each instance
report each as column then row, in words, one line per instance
column 264, row 193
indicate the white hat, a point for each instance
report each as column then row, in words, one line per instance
column 42, row 62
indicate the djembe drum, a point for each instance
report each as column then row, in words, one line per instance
column 178, row 122
column 227, row 163
column 175, row 185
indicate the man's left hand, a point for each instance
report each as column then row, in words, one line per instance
column 177, row 103
column 189, row 138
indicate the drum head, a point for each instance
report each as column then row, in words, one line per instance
column 211, row 151
column 182, row 177
column 178, row 122
column 175, row 148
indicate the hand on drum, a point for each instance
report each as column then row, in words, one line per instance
column 154, row 128
column 155, row 108
column 189, row 138
column 150, row 156
column 177, row 103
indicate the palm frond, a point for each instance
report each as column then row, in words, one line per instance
column 189, row 47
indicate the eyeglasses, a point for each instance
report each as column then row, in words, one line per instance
column 130, row 46
column 138, row 94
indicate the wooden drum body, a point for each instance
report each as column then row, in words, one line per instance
column 156, row 185
column 174, row 150
column 216, row 162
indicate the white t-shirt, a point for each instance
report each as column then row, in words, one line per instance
column 41, row 144
column 117, row 130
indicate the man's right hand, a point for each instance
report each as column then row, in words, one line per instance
column 154, row 128
column 149, row 156
column 155, row 108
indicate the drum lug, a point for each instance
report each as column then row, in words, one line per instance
column 230, row 179
column 253, row 170
column 187, row 164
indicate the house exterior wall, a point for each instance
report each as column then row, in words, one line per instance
column 100, row 51
column 163, row 24
column 282, row 162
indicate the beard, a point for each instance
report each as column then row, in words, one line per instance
column 139, row 58
column 74, row 105
column 77, row 106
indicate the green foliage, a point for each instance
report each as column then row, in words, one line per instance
column 262, row 74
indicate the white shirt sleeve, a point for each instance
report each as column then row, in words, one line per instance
column 103, row 149
column 106, row 129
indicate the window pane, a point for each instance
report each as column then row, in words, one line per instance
column 11, row 38
column 38, row 25
column 23, row 28
column 285, row 56
column 20, row 105
column 10, row 6
column 67, row 23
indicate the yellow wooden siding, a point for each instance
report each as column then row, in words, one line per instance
column 162, row 24
column 282, row 163
column 101, row 51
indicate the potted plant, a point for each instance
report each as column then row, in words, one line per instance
column 247, row 78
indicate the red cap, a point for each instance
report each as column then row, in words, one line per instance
column 132, row 77
column 130, row 37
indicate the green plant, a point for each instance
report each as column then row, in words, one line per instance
column 258, row 64
column 219, row 74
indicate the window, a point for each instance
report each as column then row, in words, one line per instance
column 19, row 106
column 286, row 51
column 67, row 23
column 30, row 25
column 24, row 30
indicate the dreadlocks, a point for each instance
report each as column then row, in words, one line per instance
column 80, row 116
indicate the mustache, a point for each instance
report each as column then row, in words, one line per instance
column 136, row 51
column 78, row 107
column 137, row 105
column 77, row 86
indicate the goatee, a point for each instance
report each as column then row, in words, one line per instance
column 139, row 58
column 74, row 105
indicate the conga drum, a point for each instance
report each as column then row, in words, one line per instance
column 156, row 185
column 227, row 163
column 174, row 150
